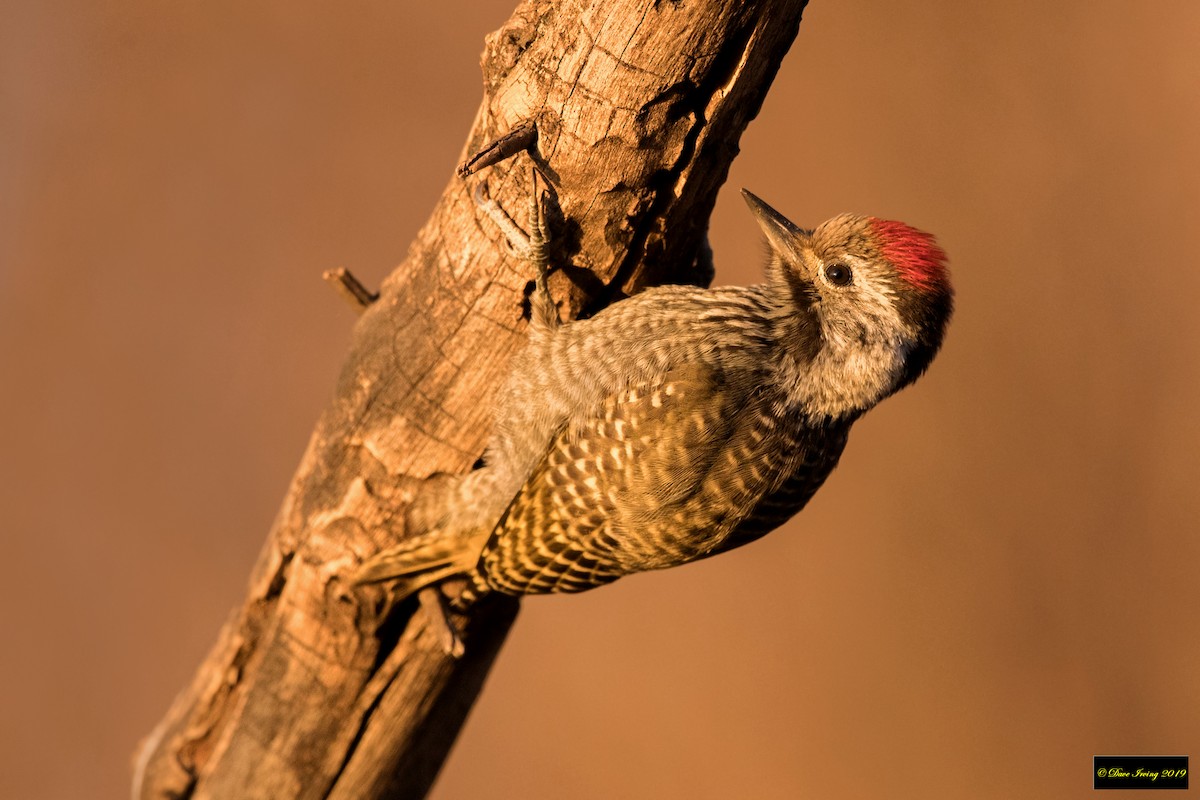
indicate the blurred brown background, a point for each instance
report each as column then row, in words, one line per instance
column 998, row 583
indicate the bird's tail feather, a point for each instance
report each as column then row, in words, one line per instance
column 417, row 562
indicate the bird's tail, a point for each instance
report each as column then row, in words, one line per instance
column 418, row 562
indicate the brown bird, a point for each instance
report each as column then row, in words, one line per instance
column 681, row 422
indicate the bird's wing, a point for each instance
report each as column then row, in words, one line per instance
column 612, row 490
column 815, row 454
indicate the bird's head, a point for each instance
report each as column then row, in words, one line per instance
column 863, row 305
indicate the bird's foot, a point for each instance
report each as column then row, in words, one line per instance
column 532, row 247
column 437, row 614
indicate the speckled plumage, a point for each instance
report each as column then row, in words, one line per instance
column 681, row 422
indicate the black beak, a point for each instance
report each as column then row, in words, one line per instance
column 784, row 236
column 788, row 242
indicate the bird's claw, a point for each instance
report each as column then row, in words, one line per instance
column 532, row 247
column 437, row 614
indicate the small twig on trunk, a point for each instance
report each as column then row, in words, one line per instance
column 350, row 288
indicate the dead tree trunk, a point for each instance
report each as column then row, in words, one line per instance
column 316, row 688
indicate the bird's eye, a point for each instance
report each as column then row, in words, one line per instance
column 839, row 274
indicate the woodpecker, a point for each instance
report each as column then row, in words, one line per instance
column 681, row 422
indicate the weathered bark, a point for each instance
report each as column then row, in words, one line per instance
column 319, row 689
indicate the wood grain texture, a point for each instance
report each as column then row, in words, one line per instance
column 318, row 689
